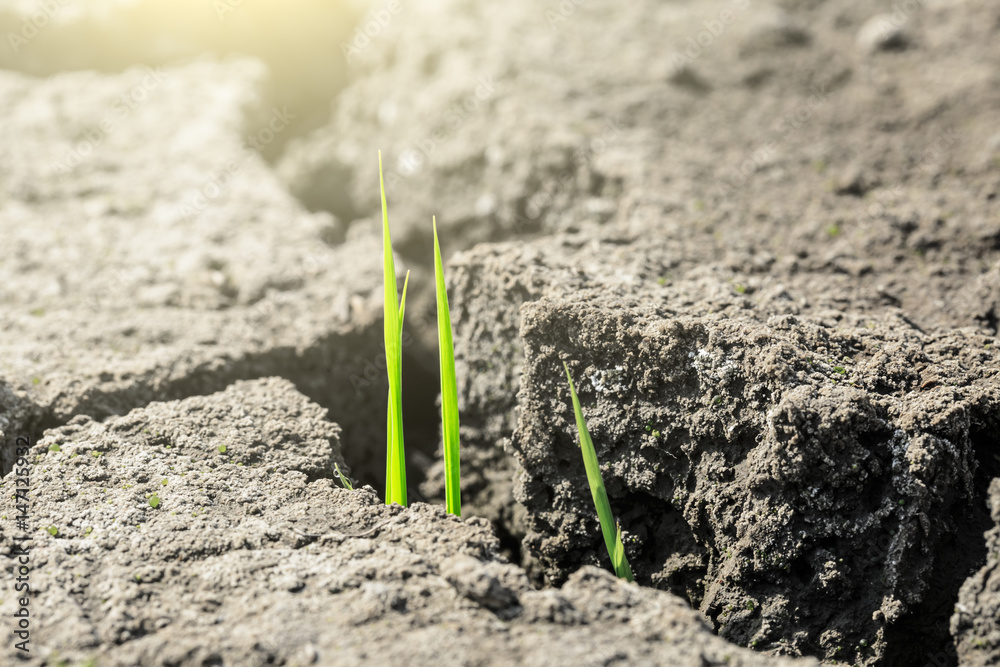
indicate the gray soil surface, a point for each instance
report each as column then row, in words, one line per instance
column 253, row 556
column 769, row 467
column 764, row 237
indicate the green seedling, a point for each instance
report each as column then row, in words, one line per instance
column 343, row 478
column 612, row 533
column 395, row 463
column 449, row 391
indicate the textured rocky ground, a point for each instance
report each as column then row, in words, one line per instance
column 208, row 530
column 806, row 487
column 769, row 467
column 764, row 237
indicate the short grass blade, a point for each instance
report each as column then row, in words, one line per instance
column 343, row 478
column 612, row 540
column 449, row 391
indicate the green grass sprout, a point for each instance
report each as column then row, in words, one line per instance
column 612, row 538
column 343, row 478
column 449, row 392
column 395, row 462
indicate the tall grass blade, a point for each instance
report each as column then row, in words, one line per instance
column 612, row 539
column 395, row 476
column 449, row 391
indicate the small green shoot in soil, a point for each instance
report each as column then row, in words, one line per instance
column 612, row 537
column 343, row 478
column 154, row 501
column 395, row 464
column 449, row 391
